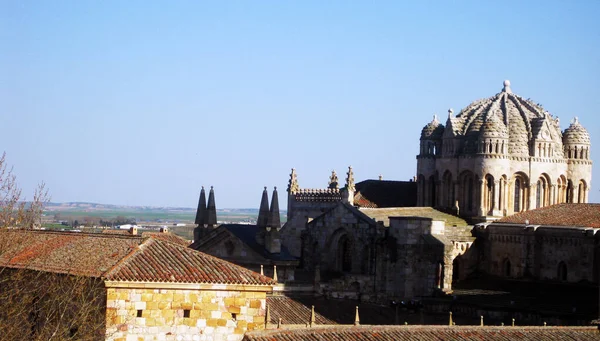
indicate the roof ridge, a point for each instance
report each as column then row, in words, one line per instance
column 125, row 259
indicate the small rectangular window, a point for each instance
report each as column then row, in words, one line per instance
column 186, row 313
column 139, row 313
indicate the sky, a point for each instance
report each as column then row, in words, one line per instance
column 144, row 102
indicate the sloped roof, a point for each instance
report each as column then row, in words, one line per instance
column 159, row 261
column 578, row 215
column 247, row 235
column 384, row 214
column 425, row 333
column 292, row 312
column 167, row 236
column 118, row 258
column 384, row 193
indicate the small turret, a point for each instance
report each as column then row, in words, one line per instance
column 201, row 212
column 201, row 215
column 272, row 238
column 263, row 211
column 211, row 209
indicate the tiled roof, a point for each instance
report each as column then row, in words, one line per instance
column 578, row 215
column 118, row 258
column 384, row 193
column 425, row 333
column 74, row 253
column 159, row 261
column 167, row 236
column 292, row 312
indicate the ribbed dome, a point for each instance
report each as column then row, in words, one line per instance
column 503, row 115
column 493, row 127
column 576, row 134
column 433, row 129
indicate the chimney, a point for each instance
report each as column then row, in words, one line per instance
column 272, row 239
column 211, row 209
column 133, row 230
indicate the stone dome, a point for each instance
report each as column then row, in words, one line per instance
column 433, row 129
column 493, row 127
column 504, row 115
column 576, row 134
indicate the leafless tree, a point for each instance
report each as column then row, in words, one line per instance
column 37, row 304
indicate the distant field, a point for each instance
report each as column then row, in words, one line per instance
column 158, row 215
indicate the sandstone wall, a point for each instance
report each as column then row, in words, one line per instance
column 176, row 314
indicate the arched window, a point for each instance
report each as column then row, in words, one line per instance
column 439, row 275
column 489, row 195
column 581, row 192
column 562, row 271
column 470, row 194
column 344, row 253
column 517, row 201
column 506, row 268
column 569, row 191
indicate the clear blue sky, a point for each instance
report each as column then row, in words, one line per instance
column 142, row 102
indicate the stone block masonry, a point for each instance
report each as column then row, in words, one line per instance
column 223, row 313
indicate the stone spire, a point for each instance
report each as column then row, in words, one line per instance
column 211, row 209
column 272, row 238
column 350, row 180
column 201, row 212
column 274, row 218
column 263, row 212
column 333, row 181
column 293, row 186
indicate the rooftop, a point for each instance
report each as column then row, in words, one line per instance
column 383, row 214
column 385, row 193
column 577, row 215
column 350, row 333
column 118, row 258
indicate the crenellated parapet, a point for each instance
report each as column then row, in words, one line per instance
column 318, row 194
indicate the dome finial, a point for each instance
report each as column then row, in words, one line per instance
column 507, row 87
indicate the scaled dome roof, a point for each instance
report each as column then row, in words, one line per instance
column 433, row 129
column 504, row 115
column 576, row 134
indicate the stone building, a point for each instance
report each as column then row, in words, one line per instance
column 500, row 156
column 150, row 288
column 256, row 247
column 305, row 204
column 557, row 243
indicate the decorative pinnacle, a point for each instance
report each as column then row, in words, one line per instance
column 450, row 113
column 507, row 87
column 333, row 180
column 293, row 186
column 350, row 180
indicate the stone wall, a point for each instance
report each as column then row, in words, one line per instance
column 532, row 252
column 218, row 313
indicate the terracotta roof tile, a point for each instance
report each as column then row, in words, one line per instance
column 64, row 252
column 579, row 215
column 292, row 312
column 118, row 258
column 425, row 333
column 168, row 237
column 160, row 261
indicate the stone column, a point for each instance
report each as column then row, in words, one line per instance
column 496, row 210
column 482, row 210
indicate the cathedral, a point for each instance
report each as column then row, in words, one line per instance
column 491, row 202
column 500, row 156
